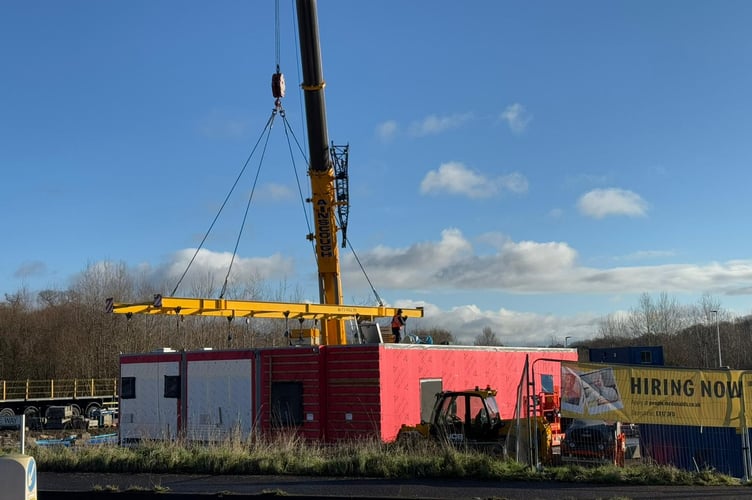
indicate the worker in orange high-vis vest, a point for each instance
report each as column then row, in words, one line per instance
column 398, row 321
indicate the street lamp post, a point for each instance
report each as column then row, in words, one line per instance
column 718, row 336
column 566, row 341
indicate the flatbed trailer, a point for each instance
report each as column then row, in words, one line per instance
column 34, row 397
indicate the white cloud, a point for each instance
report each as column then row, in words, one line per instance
column 647, row 254
column 512, row 328
column 387, row 130
column 515, row 182
column 220, row 125
column 600, row 203
column 455, row 178
column 452, row 265
column 432, row 125
column 494, row 239
column 529, row 267
column 556, row 213
column 276, row 192
column 516, row 117
column 30, row 268
column 208, row 269
column 405, row 267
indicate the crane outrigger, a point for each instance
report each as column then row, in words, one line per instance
column 328, row 173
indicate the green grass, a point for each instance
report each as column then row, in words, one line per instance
column 290, row 455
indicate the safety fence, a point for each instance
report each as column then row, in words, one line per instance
column 628, row 414
column 11, row 390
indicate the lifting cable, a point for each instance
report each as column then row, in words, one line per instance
column 289, row 129
column 288, row 133
column 266, row 131
column 247, row 206
column 278, row 91
column 375, row 293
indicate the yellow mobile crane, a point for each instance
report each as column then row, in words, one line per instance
column 321, row 171
column 329, row 187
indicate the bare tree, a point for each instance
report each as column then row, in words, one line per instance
column 488, row 337
column 653, row 320
column 19, row 301
column 614, row 327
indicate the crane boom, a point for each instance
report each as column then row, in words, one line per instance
column 321, row 171
column 327, row 170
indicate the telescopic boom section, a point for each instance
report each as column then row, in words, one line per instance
column 331, row 312
column 321, row 171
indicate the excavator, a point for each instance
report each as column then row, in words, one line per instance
column 329, row 201
column 470, row 419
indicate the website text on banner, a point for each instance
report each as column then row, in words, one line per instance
column 654, row 395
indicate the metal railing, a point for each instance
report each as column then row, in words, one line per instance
column 25, row 390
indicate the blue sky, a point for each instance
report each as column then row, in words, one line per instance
column 526, row 166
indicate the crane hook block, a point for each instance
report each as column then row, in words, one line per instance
column 278, row 85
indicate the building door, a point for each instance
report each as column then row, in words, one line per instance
column 428, row 390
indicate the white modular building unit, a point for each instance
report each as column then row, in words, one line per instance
column 148, row 407
column 218, row 395
column 199, row 395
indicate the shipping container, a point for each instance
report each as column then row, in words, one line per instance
column 326, row 393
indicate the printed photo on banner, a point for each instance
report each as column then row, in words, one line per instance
column 591, row 392
column 571, row 390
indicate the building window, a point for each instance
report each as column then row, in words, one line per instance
column 172, row 386
column 646, row 357
column 547, row 384
column 287, row 404
column 128, row 387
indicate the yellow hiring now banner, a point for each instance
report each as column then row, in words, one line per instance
column 655, row 395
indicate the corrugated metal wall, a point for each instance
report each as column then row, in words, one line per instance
column 354, row 380
column 292, row 365
column 347, row 392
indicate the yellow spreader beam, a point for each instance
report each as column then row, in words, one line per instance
column 256, row 309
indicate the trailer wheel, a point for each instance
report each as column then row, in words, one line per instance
column 92, row 410
column 7, row 412
column 33, row 421
column 31, row 412
column 76, row 422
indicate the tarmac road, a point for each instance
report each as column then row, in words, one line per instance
column 63, row 486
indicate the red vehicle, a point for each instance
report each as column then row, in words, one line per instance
column 594, row 442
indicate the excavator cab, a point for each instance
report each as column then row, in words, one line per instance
column 466, row 417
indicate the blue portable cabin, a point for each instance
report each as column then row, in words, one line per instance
column 639, row 355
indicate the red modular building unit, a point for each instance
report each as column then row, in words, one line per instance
column 326, row 393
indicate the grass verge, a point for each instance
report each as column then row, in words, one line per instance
column 291, row 455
